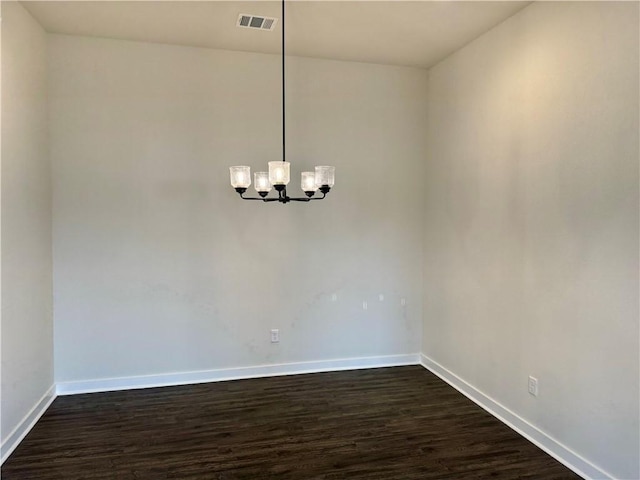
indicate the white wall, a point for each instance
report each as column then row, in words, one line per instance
column 531, row 238
column 160, row 267
column 27, row 325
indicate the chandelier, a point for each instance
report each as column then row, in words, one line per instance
column 322, row 179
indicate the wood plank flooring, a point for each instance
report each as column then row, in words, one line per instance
column 390, row 423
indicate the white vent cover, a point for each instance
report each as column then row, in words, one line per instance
column 257, row 22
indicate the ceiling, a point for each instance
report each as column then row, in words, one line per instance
column 411, row 33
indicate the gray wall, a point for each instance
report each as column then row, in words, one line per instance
column 531, row 208
column 161, row 268
column 27, row 323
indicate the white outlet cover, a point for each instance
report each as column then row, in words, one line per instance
column 365, row 305
column 533, row 386
column 275, row 335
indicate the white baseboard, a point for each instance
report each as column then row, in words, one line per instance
column 26, row 424
column 550, row 445
column 204, row 376
column 557, row 450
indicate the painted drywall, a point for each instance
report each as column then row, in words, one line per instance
column 27, row 321
column 531, row 214
column 161, row 268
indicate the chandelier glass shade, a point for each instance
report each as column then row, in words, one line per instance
column 279, row 174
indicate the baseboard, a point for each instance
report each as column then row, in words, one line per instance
column 557, row 450
column 205, row 376
column 26, row 424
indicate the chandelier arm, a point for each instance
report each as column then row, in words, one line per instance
column 261, row 199
column 241, row 193
column 307, row 199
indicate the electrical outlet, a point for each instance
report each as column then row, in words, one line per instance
column 275, row 335
column 533, row 386
column 365, row 305
column 403, row 302
column 381, row 297
column 334, row 297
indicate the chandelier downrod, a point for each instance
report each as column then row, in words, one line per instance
column 284, row 97
column 278, row 176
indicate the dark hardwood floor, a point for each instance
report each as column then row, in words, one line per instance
column 389, row 423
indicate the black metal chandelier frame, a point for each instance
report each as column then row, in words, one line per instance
column 282, row 195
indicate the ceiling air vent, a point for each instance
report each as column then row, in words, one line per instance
column 256, row 22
